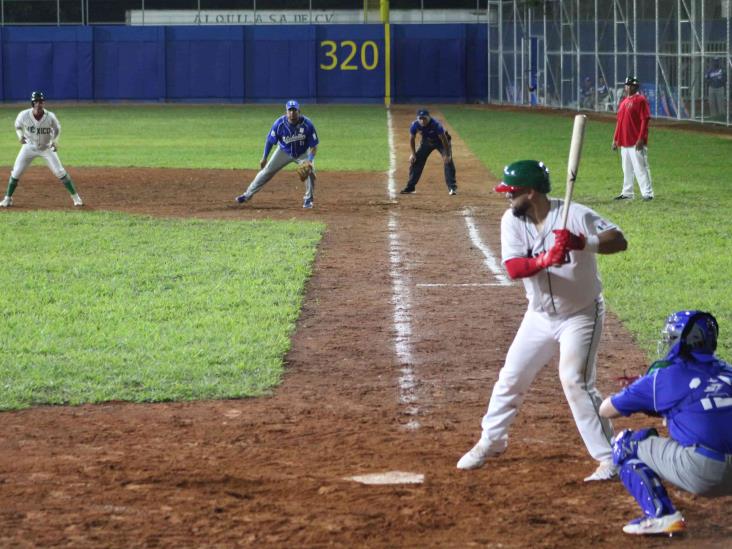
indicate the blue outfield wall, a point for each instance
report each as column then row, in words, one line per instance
column 255, row 64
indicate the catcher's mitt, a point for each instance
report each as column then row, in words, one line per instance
column 304, row 170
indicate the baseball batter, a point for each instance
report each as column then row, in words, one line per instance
column 565, row 312
column 297, row 142
column 38, row 131
column 692, row 389
column 631, row 135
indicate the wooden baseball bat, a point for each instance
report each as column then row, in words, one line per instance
column 575, row 152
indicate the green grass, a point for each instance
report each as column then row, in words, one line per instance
column 353, row 138
column 678, row 255
column 106, row 306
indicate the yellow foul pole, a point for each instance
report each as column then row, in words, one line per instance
column 387, row 52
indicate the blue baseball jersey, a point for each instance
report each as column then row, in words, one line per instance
column 694, row 395
column 431, row 132
column 295, row 139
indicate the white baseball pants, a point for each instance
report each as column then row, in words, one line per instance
column 277, row 161
column 26, row 155
column 635, row 163
column 540, row 335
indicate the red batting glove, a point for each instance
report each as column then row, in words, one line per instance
column 554, row 257
column 570, row 240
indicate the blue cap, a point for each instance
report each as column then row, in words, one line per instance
column 292, row 104
column 423, row 112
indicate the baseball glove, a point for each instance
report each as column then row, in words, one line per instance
column 304, row 170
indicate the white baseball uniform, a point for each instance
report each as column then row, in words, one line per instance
column 565, row 313
column 40, row 136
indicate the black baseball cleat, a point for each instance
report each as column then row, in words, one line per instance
column 407, row 190
column 453, row 191
column 647, row 198
column 623, row 197
column 242, row 198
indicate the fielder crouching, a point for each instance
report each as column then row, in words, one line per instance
column 692, row 389
column 297, row 141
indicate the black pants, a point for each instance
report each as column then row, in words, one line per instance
column 424, row 151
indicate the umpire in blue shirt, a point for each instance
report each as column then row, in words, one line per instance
column 434, row 137
column 692, row 390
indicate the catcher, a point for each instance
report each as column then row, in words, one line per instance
column 692, row 389
column 297, row 142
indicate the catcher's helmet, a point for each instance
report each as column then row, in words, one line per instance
column 525, row 173
column 691, row 330
column 37, row 96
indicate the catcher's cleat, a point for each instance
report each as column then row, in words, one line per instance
column 6, row 202
column 667, row 524
column 242, row 198
column 452, row 192
column 476, row 457
column 605, row 471
column 77, row 200
column 407, row 190
column 307, row 203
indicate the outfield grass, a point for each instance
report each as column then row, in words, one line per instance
column 353, row 138
column 107, row 306
column 678, row 255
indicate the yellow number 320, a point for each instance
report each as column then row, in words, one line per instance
column 369, row 55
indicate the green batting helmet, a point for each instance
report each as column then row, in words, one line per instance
column 525, row 173
column 37, row 96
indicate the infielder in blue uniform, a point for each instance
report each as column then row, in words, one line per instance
column 692, row 389
column 297, row 142
column 434, row 137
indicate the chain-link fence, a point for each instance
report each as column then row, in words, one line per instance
column 573, row 54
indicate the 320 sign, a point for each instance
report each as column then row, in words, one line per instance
column 346, row 54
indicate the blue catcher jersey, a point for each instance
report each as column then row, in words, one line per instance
column 294, row 140
column 431, row 132
column 695, row 397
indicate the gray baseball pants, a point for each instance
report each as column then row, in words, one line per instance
column 686, row 468
column 277, row 161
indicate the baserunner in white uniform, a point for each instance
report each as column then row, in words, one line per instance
column 565, row 312
column 38, row 131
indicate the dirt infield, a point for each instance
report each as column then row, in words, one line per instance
column 393, row 360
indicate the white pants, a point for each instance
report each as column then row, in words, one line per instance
column 577, row 337
column 26, row 155
column 277, row 161
column 635, row 163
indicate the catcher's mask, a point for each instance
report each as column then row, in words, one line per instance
column 37, row 96
column 695, row 331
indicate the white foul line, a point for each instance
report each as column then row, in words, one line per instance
column 461, row 285
column 392, row 155
column 401, row 298
column 488, row 258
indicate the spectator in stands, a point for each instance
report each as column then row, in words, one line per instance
column 716, row 81
column 602, row 90
column 587, row 94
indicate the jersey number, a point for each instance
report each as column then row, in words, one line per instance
column 349, row 48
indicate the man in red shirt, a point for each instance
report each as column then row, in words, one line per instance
column 631, row 135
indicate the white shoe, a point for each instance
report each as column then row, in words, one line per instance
column 7, row 202
column 605, row 471
column 667, row 524
column 77, row 200
column 476, row 457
